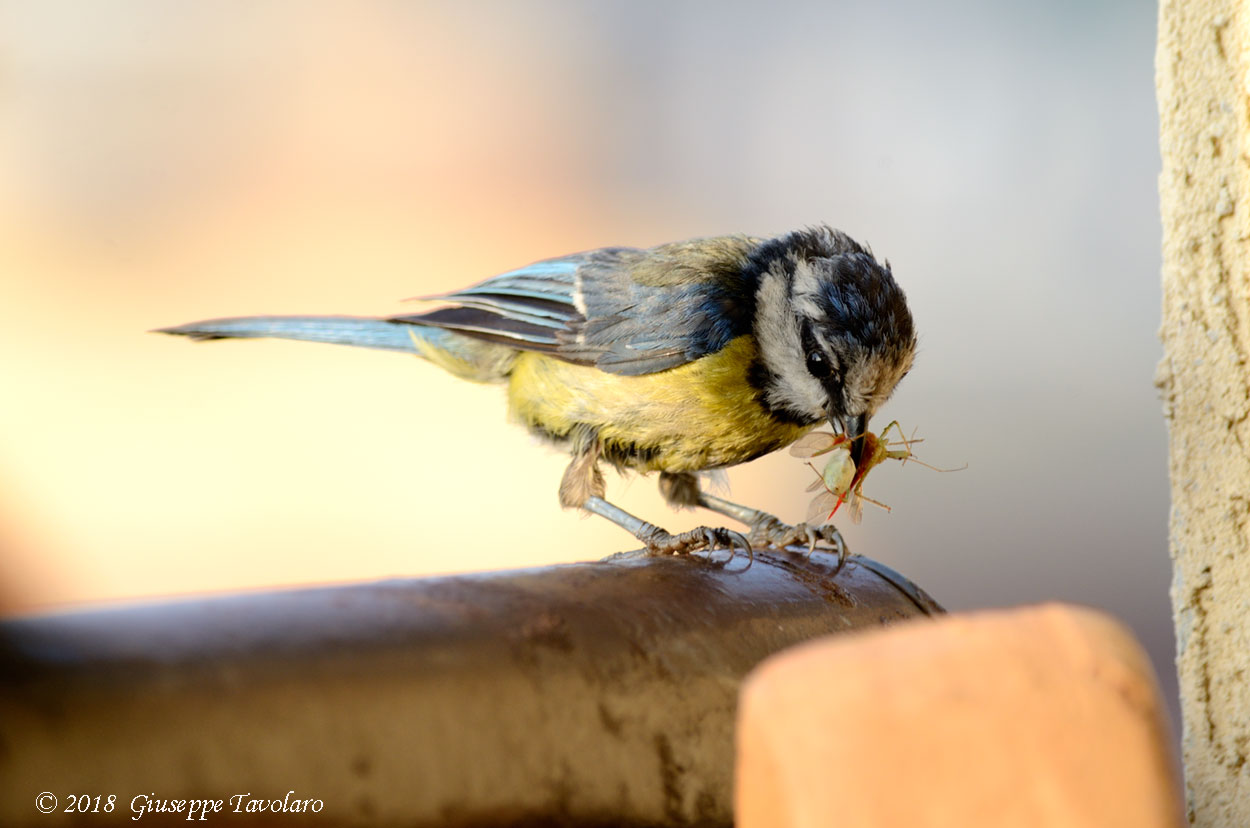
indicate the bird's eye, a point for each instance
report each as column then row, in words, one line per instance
column 818, row 365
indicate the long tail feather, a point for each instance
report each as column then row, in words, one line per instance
column 362, row 331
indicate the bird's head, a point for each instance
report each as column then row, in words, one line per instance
column 833, row 331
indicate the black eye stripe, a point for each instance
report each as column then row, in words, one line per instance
column 819, row 364
column 808, row 339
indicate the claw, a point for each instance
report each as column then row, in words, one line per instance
column 843, row 553
column 736, row 540
column 772, row 532
column 812, row 537
column 661, row 542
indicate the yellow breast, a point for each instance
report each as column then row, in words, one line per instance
column 701, row 415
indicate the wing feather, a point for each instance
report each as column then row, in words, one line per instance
column 486, row 325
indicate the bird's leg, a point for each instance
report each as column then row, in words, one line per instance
column 662, row 542
column 583, row 488
column 766, row 530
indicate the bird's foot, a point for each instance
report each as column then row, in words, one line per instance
column 772, row 532
column 661, row 542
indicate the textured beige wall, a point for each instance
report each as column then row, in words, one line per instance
column 1203, row 76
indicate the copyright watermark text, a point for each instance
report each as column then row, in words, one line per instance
column 193, row 809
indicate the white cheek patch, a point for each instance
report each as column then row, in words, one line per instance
column 776, row 328
column 798, row 390
column 781, row 348
column 806, row 287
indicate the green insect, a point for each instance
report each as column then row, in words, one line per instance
column 841, row 481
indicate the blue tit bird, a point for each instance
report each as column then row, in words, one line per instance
column 677, row 359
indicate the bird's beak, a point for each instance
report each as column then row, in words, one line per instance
column 856, row 428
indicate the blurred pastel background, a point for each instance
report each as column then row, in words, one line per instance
column 164, row 162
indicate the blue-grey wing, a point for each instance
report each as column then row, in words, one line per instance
column 624, row 310
column 526, row 308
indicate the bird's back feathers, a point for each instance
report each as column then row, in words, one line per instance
column 625, row 311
